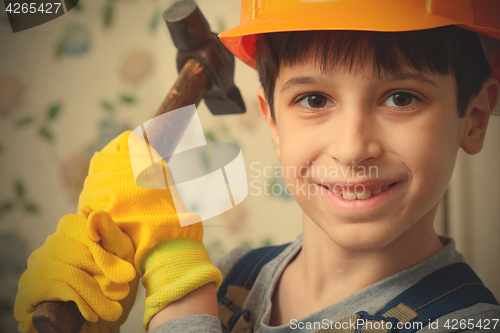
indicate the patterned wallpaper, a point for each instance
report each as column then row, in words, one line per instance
column 70, row 86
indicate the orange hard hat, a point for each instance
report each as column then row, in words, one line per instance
column 264, row 16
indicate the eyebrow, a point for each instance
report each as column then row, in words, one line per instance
column 302, row 80
column 415, row 77
column 311, row 80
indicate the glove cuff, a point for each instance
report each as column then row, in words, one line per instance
column 172, row 269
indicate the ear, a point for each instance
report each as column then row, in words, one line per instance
column 265, row 110
column 478, row 115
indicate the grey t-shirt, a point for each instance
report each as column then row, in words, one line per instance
column 371, row 299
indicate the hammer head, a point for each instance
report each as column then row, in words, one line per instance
column 191, row 35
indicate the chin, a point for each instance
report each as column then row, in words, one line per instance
column 362, row 238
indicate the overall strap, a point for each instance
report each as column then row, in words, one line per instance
column 236, row 286
column 448, row 289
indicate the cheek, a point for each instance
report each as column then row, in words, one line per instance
column 298, row 145
column 429, row 152
column 299, row 148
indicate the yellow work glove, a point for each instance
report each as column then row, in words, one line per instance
column 171, row 259
column 88, row 260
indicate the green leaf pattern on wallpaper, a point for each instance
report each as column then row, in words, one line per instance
column 42, row 123
column 155, row 20
column 18, row 201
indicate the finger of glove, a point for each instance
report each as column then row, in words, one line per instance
column 101, row 227
column 70, row 256
column 99, row 326
column 78, row 255
column 102, row 326
column 50, row 279
column 33, row 292
column 113, row 267
column 69, row 251
column 66, row 250
column 94, row 289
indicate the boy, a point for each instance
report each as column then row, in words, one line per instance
column 397, row 104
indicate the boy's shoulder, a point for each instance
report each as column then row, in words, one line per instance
column 228, row 260
column 248, row 260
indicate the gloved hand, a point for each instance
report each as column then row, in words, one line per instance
column 171, row 259
column 87, row 260
column 174, row 260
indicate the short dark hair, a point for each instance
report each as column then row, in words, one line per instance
column 445, row 50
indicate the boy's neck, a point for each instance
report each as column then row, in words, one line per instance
column 327, row 273
column 330, row 270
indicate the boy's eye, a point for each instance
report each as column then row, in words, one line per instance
column 316, row 101
column 401, row 100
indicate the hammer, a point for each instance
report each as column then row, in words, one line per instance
column 206, row 70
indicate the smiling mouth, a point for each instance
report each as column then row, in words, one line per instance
column 351, row 194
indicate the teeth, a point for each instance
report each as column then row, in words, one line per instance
column 366, row 194
column 337, row 190
column 349, row 195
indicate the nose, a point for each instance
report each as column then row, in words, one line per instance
column 355, row 137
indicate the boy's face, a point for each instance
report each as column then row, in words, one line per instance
column 341, row 129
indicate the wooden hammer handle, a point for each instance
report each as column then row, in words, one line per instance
column 190, row 87
column 58, row 317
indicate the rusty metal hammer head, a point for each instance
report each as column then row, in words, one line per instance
column 191, row 34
